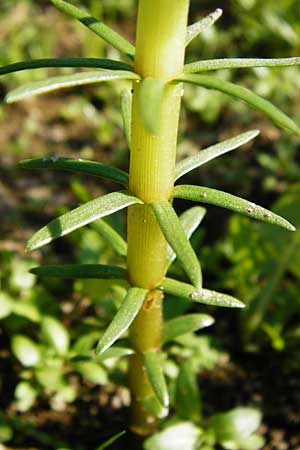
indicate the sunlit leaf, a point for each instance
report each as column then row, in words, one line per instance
column 242, row 93
column 181, row 436
column 194, row 161
column 190, row 220
column 176, row 237
column 185, row 324
column 205, row 296
column 237, row 424
column 196, row 28
column 153, row 365
column 126, row 110
column 65, row 62
column 25, row 350
column 103, row 272
column 239, row 63
column 111, row 440
column 6, row 305
column 92, row 168
column 68, row 81
column 98, row 27
column 87, row 213
column 231, row 202
column 124, row 317
column 149, row 95
column 55, row 334
column 92, row 372
column 111, row 236
column 25, row 395
column 115, row 352
column 187, row 395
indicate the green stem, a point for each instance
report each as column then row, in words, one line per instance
column 160, row 45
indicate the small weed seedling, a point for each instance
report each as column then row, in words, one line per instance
column 150, row 107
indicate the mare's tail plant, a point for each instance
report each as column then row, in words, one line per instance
column 150, row 107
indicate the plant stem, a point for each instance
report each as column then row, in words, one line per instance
column 160, row 44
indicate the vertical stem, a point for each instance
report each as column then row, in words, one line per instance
column 160, row 44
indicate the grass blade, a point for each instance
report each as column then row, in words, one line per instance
column 150, row 95
column 205, row 296
column 242, row 93
column 65, row 62
column 152, row 361
column 185, row 324
column 231, row 202
column 239, row 63
column 98, row 27
column 196, row 28
column 194, row 161
column 126, row 110
column 190, row 220
column 84, row 214
column 111, row 236
column 73, row 271
column 111, row 440
column 177, row 239
column 92, row 168
column 68, row 81
column 123, row 319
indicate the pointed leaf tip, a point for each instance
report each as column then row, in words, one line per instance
column 126, row 314
column 196, row 28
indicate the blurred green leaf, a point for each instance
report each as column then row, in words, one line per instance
column 149, row 96
column 104, row 272
column 55, row 334
column 111, row 236
column 183, row 435
column 154, row 407
column 231, row 202
column 188, row 401
column 196, row 28
column 177, row 239
column 199, row 295
column 25, row 350
column 242, row 93
column 111, row 440
column 6, row 305
column 67, row 81
column 92, row 168
column 87, row 213
column 194, row 161
column 153, row 365
column 122, row 320
column 190, row 220
column 115, row 352
column 239, row 63
column 185, row 324
column 92, row 372
column 97, row 27
column 25, row 396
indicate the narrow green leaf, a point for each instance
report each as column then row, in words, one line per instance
column 187, row 394
column 92, row 168
column 239, row 63
column 126, row 314
column 126, row 110
column 67, row 81
column 98, row 27
column 149, row 96
column 196, row 28
column 190, row 220
column 111, row 236
column 231, row 202
column 205, row 296
column 242, row 93
column 154, row 407
column 115, row 352
column 185, row 324
column 103, row 272
column 152, row 361
column 84, row 214
column 194, row 161
column 65, row 62
column 176, row 237
column 111, row 440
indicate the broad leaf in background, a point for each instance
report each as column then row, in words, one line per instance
column 194, row 161
column 68, row 81
column 153, row 365
column 25, row 350
column 55, row 334
column 102, row 30
column 93, row 168
column 183, row 435
column 231, row 202
column 177, row 239
column 123, row 319
column 87, row 213
column 242, row 93
column 199, row 295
